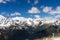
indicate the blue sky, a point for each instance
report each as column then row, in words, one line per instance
column 30, row 8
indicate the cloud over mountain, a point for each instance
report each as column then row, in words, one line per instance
column 15, row 14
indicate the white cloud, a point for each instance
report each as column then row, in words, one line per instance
column 36, row 2
column 33, row 10
column 2, row 1
column 37, row 16
column 15, row 14
column 48, row 18
column 58, row 8
column 28, row 1
column 5, row 1
column 47, row 9
column 52, row 11
column 57, row 17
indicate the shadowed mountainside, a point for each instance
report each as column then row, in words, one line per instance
column 31, row 33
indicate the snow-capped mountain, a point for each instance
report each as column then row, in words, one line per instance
column 23, row 22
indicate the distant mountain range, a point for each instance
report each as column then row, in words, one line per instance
column 25, row 22
column 21, row 28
